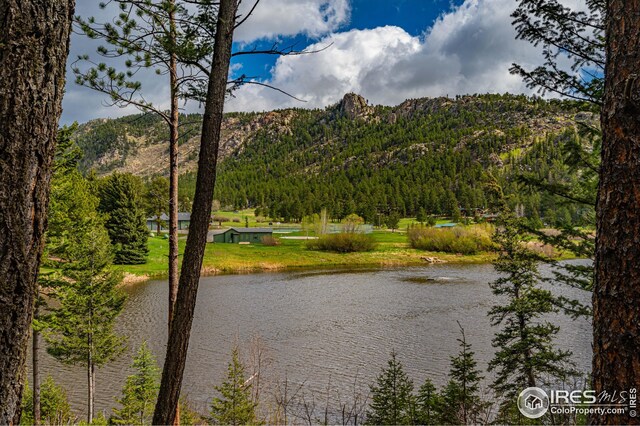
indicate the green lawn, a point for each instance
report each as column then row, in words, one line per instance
column 392, row 250
column 239, row 218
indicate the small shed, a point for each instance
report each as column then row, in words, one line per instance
column 238, row 235
column 184, row 219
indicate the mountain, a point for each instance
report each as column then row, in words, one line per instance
column 428, row 153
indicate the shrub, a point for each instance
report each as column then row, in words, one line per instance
column 345, row 242
column 54, row 404
column 269, row 240
column 221, row 219
column 465, row 240
column 236, row 220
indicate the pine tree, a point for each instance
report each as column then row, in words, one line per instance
column 576, row 36
column 81, row 327
column 140, row 391
column 392, row 402
column 34, row 42
column 422, row 215
column 526, row 355
column 56, row 409
column 428, row 404
column 461, row 399
column 616, row 295
column 126, row 222
column 234, row 406
column 392, row 221
column 156, row 199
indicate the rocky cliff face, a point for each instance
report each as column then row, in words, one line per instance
column 354, row 106
column 140, row 147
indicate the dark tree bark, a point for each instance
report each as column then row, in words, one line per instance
column 35, row 361
column 34, row 45
column 616, row 297
column 196, row 241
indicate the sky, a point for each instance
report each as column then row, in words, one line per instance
column 385, row 50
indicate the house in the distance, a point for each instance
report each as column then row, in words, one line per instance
column 238, row 235
column 183, row 222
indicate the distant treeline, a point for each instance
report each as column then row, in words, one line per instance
column 436, row 162
column 433, row 155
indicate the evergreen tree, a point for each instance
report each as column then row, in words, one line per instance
column 428, row 404
column 461, row 399
column 140, row 391
column 34, row 45
column 188, row 415
column 578, row 37
column 422, row 215
column 234, row 406
column 525, row 355
column 575, row 35
column 392, row 402
column 81, row 327
column 126, row 222
column 392, row 221
column 64, row 212
column 617, row 260
column 156, row 199
column 55, row 407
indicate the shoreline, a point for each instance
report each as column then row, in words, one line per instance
column 292, row 254
column 235, row 268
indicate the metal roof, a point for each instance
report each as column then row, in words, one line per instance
column 240, row 230
column 165, row 218
column 259, row 230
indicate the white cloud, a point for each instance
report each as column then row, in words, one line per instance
column 270, row 20
column 275, row 18
column 467, row 50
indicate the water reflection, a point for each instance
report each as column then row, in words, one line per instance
column 318, row 326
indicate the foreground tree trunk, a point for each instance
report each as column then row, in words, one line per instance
column 90, row 384
column 194, row 251
column 173, row 176
column 35, row 361
column 173, row 179
column 616, row 297
column 34, row 45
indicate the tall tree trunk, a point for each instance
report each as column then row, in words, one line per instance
column 173, row 180
column 197, row 238
column 90, row 384
column 34, row 45
column 173, row 177
column 36, row 366
column 616, row 296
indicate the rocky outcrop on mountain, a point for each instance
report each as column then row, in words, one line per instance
column 138, row 144
column 354, row 106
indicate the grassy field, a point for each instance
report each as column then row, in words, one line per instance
column 392, row 250
column 238, row 219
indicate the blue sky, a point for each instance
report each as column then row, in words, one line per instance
column 386, row 50
column 414, row 16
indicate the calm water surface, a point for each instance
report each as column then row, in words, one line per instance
column 319, row 327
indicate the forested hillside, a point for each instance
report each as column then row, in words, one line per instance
column 431, row 154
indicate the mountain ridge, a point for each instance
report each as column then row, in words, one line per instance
column 430, row 154
column 145, row 152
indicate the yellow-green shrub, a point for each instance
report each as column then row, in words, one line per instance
column 459, row 239
column 345, row 242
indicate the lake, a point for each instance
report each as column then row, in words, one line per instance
column 327, row 330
